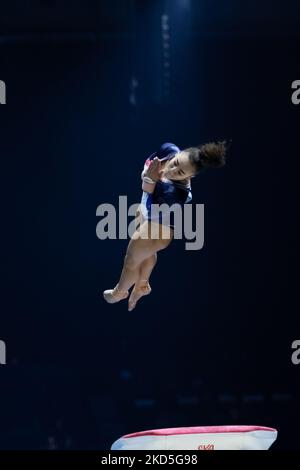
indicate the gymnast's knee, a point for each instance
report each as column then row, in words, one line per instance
column 154, row 258
column 163, row 243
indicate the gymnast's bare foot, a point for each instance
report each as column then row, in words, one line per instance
column 140, row 289
column 115, row 295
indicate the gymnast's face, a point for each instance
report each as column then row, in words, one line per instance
column 179, row 167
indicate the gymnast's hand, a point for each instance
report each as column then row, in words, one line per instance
column 154, row 170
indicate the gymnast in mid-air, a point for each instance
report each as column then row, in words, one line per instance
column 166, row 179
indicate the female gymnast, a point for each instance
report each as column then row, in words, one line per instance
column 166, row 178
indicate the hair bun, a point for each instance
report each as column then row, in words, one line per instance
column 213, row 154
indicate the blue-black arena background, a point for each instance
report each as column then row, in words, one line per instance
column 93, row 88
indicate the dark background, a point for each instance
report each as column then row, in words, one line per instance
column 90, row 94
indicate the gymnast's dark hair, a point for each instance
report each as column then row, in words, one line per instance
column 211, row 155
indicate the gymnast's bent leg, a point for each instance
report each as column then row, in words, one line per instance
column 142, row 286
column 150, row 238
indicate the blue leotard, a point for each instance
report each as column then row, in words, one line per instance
column 166, row 191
